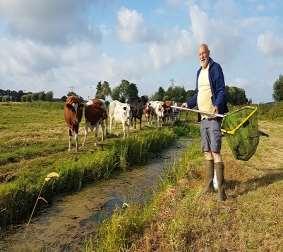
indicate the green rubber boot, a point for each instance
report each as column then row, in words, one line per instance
column 209, row 173
column 219, row 167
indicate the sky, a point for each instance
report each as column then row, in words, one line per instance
column 69, row 44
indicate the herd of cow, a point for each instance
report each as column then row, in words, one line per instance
column 97, row 113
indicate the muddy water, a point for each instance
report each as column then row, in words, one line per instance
column 70, row 219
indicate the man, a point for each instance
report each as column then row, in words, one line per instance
column 210, row 97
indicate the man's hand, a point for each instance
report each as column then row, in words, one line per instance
column 215, row 110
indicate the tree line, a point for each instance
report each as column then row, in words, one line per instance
column 21, row 96
column 126, row 90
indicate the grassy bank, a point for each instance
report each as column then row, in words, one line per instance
column 18, row 196
column 180, row 218
column 33, row 143
column 125, row 227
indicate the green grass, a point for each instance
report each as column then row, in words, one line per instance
column 120, row 231
column 271, row 111
column 18, row 196
column 179, row 218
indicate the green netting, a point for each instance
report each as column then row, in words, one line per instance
column 241, row 128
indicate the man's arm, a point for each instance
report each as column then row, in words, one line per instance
column 192, row 102
column 219, row 88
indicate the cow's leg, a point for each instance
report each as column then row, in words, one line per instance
column 135, row 121
column 96, row 133
column 76, row 140
column 110, row 124
column 124, row 129
column 70, row 139
column 86, row 132
column 128, row 129
column 104, row 133
column 105, row 127
column 140, row 122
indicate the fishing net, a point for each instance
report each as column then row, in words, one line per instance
column 241, row 131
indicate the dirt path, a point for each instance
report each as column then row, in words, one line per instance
column 251, row 218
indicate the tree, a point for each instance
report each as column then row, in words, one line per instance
column 124, row 91
column 106, row 90
column 115, row 95
column 159, row 95
column 235, row 95
column 99, row 93
column 176, row 93
column 41, row 96
column 278, row 89
column 24, row 98
column 29, row 97
column 49, row 96
column 35, row 96
column 63, row 98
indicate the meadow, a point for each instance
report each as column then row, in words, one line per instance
column 34, row 143
column 180, row 218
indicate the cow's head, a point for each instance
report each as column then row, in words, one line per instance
column 75, row 105
column 127, row 113
column 160, row 110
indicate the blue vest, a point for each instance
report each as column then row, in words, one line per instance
column 217, row 85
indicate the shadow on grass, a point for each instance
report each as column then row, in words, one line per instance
column 255, row 183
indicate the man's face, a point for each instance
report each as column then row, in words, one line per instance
column 203, row 56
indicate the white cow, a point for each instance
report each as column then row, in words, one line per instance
column 119, row 112
column 175, row 112
column 158, row 110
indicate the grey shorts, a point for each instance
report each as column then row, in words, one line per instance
column 210, row 131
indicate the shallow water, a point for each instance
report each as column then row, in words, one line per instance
column 65, row 225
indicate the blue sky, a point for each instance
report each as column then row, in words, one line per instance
column 52, row 45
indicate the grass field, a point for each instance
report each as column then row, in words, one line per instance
column 180, row 218
column 34, row 142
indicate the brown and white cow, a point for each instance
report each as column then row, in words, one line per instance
column 167, row 111
column 73, row 111
column 149, row 113
column 95, row 115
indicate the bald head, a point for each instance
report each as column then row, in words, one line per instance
column 203, row 55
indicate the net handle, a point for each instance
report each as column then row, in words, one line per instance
column 199, row 111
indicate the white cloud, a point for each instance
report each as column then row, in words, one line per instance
column 176, row 47
column 49, row 21
column 270, row 44
column 32, row 66
column 221, row 35
column 131, row 27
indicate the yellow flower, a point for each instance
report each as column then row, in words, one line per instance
column 52, row 175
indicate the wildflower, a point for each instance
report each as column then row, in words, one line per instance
column 52, row 175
